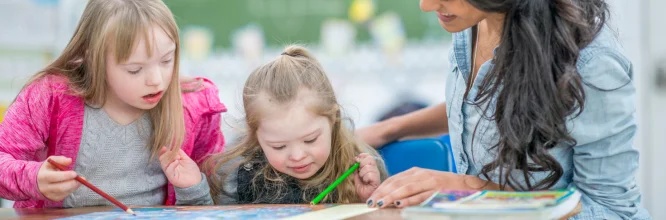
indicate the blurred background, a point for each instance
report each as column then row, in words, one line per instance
column 382, row 56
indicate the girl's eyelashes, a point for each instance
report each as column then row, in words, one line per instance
column 134, row 71
column 311, row 141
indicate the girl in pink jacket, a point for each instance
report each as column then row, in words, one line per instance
column 112, row 108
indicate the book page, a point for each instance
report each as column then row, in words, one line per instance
column 336, row 212
column 511, row 200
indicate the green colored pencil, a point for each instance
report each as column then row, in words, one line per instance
column 334, row 184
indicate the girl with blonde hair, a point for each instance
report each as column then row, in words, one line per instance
column 108, row 108
column 296, row 142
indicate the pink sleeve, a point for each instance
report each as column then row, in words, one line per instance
column 23, row 136
column 209, row 139
column 203, row 109
column 208, row 129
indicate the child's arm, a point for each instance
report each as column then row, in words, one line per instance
column 189, row 183
column 195, row 195
column 209, row 140
column 228, row 190
column 229, row 194
column 23, row 134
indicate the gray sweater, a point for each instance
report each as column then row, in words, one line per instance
column 115, row 158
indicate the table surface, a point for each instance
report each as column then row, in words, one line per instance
column 8, row 213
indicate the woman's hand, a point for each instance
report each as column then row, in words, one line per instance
column 414, row 186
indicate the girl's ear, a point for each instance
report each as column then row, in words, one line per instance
column 336, row 116
column 336, row 110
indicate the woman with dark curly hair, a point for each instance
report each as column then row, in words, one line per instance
column 539, row 96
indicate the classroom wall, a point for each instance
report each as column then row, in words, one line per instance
column 655, row 102
column 640, row 26
column 291, row 20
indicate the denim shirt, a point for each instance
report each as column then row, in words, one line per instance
column 602, row 164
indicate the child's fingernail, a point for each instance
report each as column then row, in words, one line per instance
column 380, row 203
column 370, row 202
column 397, row 203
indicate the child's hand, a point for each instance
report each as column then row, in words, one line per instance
column 366, row 179
column 180, row 170
column 55, row 184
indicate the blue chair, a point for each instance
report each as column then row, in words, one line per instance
column 429, row 153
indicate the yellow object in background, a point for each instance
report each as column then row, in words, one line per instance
column 3, row 108
column 388, row 31
column 197, row 43
column 361, row 11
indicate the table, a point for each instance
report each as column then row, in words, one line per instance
column 6, row 213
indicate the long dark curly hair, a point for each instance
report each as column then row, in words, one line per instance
column 535, row 83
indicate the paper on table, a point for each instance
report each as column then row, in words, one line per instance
column 336, row 212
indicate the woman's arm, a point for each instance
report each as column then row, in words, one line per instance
column 425, row 122
column 605, row 160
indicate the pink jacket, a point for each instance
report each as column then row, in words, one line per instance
column 26, row 137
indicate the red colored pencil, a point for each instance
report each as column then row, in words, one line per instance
column 97, row 190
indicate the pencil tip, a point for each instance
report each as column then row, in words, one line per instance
column 130, row 211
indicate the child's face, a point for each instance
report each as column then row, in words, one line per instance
column 295, row 141
column 140, row 82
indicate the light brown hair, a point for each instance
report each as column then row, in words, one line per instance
column 282, row 79
column 117, row 26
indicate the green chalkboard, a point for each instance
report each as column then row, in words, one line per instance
column 293, row 21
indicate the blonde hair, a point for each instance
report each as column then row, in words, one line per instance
column 121, row 23
column 282, row 79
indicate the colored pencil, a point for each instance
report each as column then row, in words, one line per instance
column 335, row 184
column 94, row 188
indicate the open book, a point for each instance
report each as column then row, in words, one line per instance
column 496, row 205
